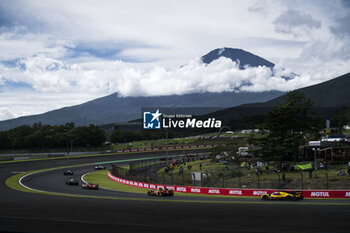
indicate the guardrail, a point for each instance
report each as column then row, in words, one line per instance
column 166, row 148
column 28, row 156
column 231, row 192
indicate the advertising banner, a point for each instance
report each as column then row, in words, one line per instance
column 233, row 192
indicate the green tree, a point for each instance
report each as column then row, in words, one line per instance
column 5, row 141
column 288, row 124
column 341, row 118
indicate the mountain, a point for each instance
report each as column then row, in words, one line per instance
column 113, row 108
column 328, row 96
column 245, row 58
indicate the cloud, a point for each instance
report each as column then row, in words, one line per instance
column 23, row 102
column 295, row 22
column 7, row 113
column 56, row 48
column 47, row 74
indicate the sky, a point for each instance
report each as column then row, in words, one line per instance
column 61, row 53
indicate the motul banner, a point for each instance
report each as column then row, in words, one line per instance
column 232, row 192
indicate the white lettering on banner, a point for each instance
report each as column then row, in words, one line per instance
column 152, row 186
column 347, row 194
column 136, row 184
column 141, row 185
column 170, row 187
column 131, row 183
column 195, row 190
column 319, row 194
column 259, row 193
column 127, row 182
column 160, row 187
column 214, row 191
column 181, row 189
column 146, row 186
column 235, row 192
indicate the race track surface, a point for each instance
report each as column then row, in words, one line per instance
column 31, row 212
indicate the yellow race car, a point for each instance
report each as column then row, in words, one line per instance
column 283, row 195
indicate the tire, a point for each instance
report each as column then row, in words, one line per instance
column 264, row 198
column 289, row 198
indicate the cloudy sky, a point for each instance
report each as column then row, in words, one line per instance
column 62, row 53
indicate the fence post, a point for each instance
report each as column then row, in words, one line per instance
column 239, row 180
column 223, row 180
column 194, row 179
column 201, row 179
column 302, row 180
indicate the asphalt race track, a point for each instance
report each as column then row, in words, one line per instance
column 32, row 212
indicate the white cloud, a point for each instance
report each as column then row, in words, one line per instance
column 7, row 113
column 16, row 103
column 47, row 74
column 64, row 47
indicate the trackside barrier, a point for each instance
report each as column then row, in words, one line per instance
column 232, row 192
column 165, row 148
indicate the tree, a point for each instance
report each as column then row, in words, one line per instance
column 288, row 124
column 5, row 141
column 341, row 118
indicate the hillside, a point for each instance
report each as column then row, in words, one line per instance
column 328, row 96
column 113, row 108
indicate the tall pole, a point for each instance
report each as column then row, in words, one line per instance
column 315, row 165
column 166, row 142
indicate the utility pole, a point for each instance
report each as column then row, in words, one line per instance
column 166, row 143
column 315, row 164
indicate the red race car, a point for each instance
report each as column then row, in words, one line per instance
column 89, row 186
column 161, row 192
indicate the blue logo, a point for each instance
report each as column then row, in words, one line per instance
column 151, row 120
